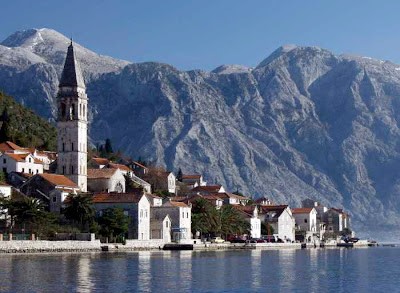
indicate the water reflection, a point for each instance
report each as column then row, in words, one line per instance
column 144, row 271
column 286, row 268
column 256, row 275
column 84, row 281
column 313, row 270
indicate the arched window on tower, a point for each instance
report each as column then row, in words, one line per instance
column 80, row 110
column 84, row 112
column 63, row 110
column 72, row 112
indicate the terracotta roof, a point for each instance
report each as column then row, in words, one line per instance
column 301, row 210
column 278, row 209
column 58, row 180
column 229, row 195
column 118, row 166
column 178, row 198
column 101, row 161
column 248, row 210
column 207, row 188
column 140, row 165
column 22, row 158
column 178, row 204
column 100, row 173
column 117, row 197
column 194, row 176
column 9, row 146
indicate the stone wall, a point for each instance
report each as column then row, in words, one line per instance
column 22, row 246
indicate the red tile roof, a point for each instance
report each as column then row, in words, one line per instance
column 247, row 210
column 207, row 188
column 100, row 173
column 178, row 204
column 278, row 209
column 301, row 210
column 22, row 158
column 194, row 176
column 9, row 146
column 119, row 166
column 100, row 161
column 140, row 165
column 117, row 197
column 58, row 180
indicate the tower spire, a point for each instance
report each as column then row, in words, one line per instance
column 71, row 75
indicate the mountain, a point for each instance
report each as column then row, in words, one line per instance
column 303, row 123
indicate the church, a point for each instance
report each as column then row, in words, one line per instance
column 72, row 104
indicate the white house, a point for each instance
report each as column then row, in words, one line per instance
column 251, row 215
column 160, row 227
column 5, row 192
column 24, row 163
column 281, row 220
column 231, row 198
column 193, row 180
column 181, row 219
column 305, row 218
column 135, row 205
column 105, row 180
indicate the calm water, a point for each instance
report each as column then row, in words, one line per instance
column 312, row 270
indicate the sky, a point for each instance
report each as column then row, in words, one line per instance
column 205, row 34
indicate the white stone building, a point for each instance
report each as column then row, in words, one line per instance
column 306, row 219
column 105, row 180
column 251, row 215
column 24, row 163
column 160, row 228
column 181, row 219
column 281, row 220
column 134, row 205
column 72, row 104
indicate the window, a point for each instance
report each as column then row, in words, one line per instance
column 30, row 171
column 63, row 147
column 183, row 214
column 4, row 161
column 54, row 198
column 166, row 224
column 23, row 170
column 30, row 160
column 72, row 169
column 146, row 214
column 63, row 108
column 305, row 220
column 187, row 215
column 5, row 170
column 37, row 171
column 63, row 169
column 141, row 213
column 72, row 146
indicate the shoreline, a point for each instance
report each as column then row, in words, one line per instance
column 71, row 246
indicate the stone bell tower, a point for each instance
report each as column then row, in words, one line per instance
column 72, row 103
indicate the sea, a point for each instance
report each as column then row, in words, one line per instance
column 372, row 269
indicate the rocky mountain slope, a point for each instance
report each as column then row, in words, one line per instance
column 303, row 123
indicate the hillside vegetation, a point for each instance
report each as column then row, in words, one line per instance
column 22, row 126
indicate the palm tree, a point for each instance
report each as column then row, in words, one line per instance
column 79, row 209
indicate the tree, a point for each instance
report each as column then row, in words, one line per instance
column 179, row 175
column 79, row 209
column 108, row 147
column 5, row 130
column 204, row 217
column 232, row 222
column 113, row 223
column 266, row 229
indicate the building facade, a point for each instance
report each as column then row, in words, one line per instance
column 72, row 104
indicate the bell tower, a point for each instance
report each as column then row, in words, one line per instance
column 72, row 103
